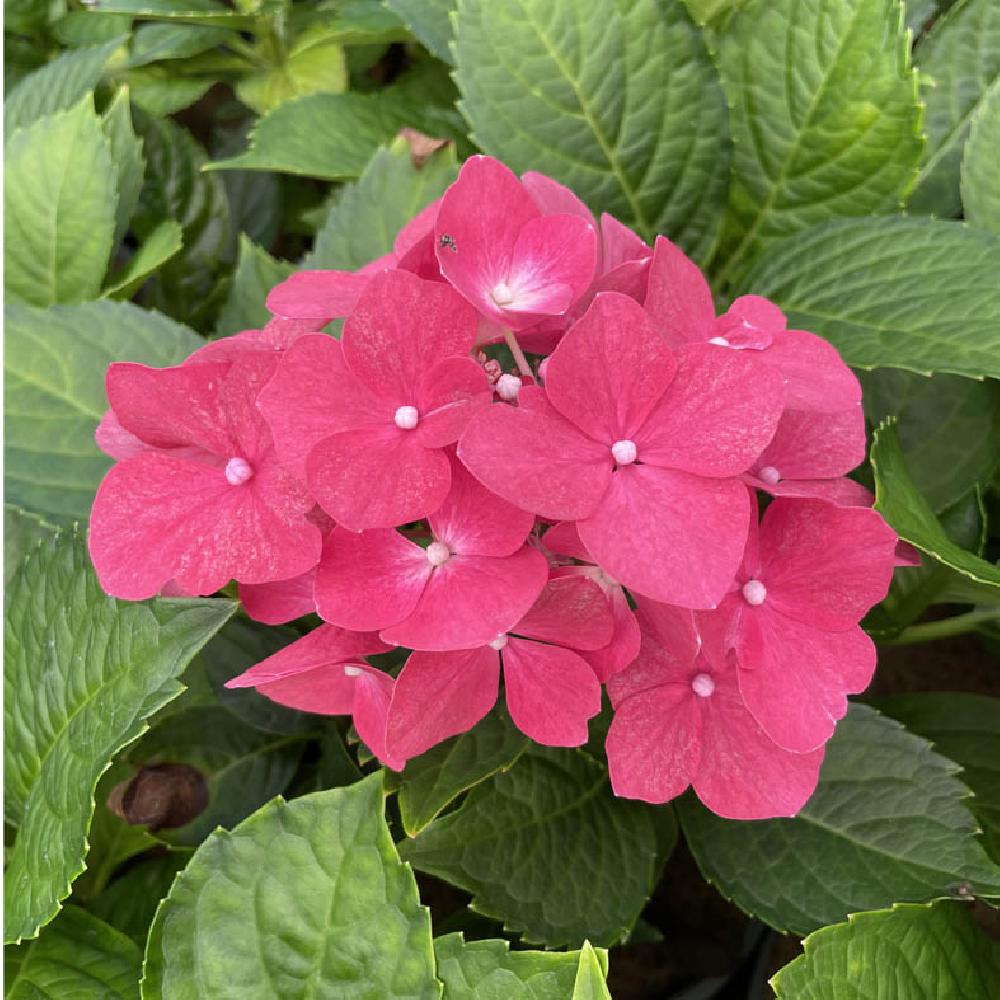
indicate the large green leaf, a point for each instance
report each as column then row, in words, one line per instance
column 126, row 155
column 547, row 848
column 306, row 898
column 961, row 58
column 368, row 214
column 618, row 101
column 82, row 673
column 57, row 86
column 981, row 166
column 907, row 953
column 77, row 957
column 59, row 208
column 888, row 822
column 22, row 531
column 257, row 272
column 824, row 117
column 910, row 515
column 440, row 775
column 934, row 413
column 919, row 294
column 966, row 729
column 54, row 364
column 162, row 243
column 483, row 970
column 430, row 22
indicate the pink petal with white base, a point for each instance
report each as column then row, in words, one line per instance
column 716, row 416
column 551, row 692
column 812, row 445
column 678, row 296
column 671, row 536
column 117, row 442
column 317, row 295
column 815, row 375
column 571, row 611
column 795, row 678
column 439, row 695
column 470, row 600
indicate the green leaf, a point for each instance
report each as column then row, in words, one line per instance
column 126, row 155
column 59, row 207
column 966, row 729
column 961, row 58
column 591, row 976
column 58, row 86
column 906, row 293
column 154, row 42
column 436, row 778
column 980, row 166
column 54, row 365
column 523, row 843
column 162, row 243
column 203, row 12
column 711, row 12
column 934, row 413
column 368, row 214
column 618, row 101
column 257, row 272
column 79, row 28
column 356, row 22
column 82, row 673
column 825, row 118
column 80, row 957
column 906, row 953
column 906, row 510
column 889, row 822
column 430, row 22
column 303, row 897
column 256, row 198
column 483, row 970
column 160, row 91
column 22, row 532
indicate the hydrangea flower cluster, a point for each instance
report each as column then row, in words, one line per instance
column 588, row 523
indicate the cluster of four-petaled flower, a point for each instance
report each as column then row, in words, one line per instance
column 415, row 497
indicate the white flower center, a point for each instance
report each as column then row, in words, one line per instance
column 407, row 418
column 502, row 294
column 238, row 471
column 499, row 642
column 508, row 386
column 719, row 342
column 702, row 685
column 352, row 671
column 438, row 553
column 770, row 475
column 623, row 452
column 754, row 592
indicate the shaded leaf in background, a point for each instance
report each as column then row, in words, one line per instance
column 161, row 91
column 919, row 294
column 909, row 514
column 304, row 895
column 966, row 729
column 981, row 166
column 162, row 243
column 621, row 102
column 155, row 42
column 961, row 57
column 888, row 822
column 82, row 673
column 907, row 953
column 547, row 848
column 203, row 12
column 22, row 532
column 54, row 365
column 933, row 414
column 257, row 272
column 126, row 155
column 59, row 208
column 77, row 956
column 430, row 22
column 367, row 215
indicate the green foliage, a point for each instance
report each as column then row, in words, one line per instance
column 620, row 102
column 71, row 652
column 430, row 22
column 980, row 166
column 257, row 272
column 22, row 532
column 590, row 976
column 889, row 822
column 302, row 896
column 126, row 155
column 162, row 243
column 906, row 953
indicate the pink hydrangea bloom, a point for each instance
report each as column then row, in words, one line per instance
column 679, row 297
column 205, row 500
column 474, row 580
column 512, row 262
column 807, row 578
column 679, row 720
column 641, row 445
column 367, row 420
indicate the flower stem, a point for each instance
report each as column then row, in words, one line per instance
column 515, row 349
column 928, row 631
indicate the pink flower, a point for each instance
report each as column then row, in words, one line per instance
column 366, row 420
column 679, row 720
column 806, row 580
column 474, row 580
column 324, row 672
column 641, row 446
column 514, row 264
column 204, row 499
column 679, row 298
column 551, row 691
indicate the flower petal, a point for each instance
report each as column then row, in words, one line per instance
column 281, row 600
column 678, row 296
column 571, row 611
column 812, row 445
column 317, row 295
column 448, row 396
column 815, row 375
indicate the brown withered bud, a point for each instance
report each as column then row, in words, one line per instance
column 160, row 796
column 421, row 146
